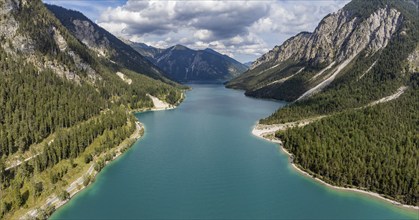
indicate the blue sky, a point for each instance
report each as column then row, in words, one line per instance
column 243, row 30
column 91, row 8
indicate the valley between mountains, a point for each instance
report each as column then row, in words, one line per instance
column 348, row 113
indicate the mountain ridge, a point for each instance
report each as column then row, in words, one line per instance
column 104, row 43
column 315, row 51
column 342, row 75
column 185, row 64
column 60, row 101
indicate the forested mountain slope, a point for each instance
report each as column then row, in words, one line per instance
column 366, row 51
column 369, row 76
column 104, row 43
column 309, row 62
column 374, row 149
column 185, row 65
column 61, row 106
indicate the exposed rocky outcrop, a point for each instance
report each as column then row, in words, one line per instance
column 104, row 43
column 8, row 25
column 17, row 43
column 413, row 60
column 289, row 49
column 91, row 37
column 124, row 78
column 338, row 39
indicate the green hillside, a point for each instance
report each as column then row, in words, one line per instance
column 374, row 148
column 62, row 107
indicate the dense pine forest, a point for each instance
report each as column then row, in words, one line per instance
column 62, row 107
column 373, row 148
column 45, row 173
column 28, row 116
column 65, row 109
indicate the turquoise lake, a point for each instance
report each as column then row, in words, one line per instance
column 200, row 161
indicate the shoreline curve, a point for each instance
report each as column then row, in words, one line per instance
column 262, row 131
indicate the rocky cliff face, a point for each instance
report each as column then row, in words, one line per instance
column 104, row 43
column 413, row 60
column 289, row 49
column 85, row 31
column 337, row 40
column 19, row 43
column 337, row 37
column 9, row 26
column 358, row 73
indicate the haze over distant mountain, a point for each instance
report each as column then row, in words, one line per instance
column 147, row 51
column 248, row 64
column 178, row 62
column 185, row 65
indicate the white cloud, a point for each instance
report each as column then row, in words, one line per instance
column 222, row 19
column 204, row 35
column 92, row 9
column 114, row 27
column 245, row 29
column 293, row 17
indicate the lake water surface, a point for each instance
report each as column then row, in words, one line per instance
column 201, row 161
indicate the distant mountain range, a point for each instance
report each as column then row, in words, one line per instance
column 248, row 64
column 178, row 63
column 183, row 64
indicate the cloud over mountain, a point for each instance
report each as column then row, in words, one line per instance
column 238, row 28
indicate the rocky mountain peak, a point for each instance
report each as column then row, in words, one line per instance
column 179, row 47
column 309, row 63
column 185, row 64
column 104, row 43
column 339, row 36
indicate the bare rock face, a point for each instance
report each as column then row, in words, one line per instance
column 8, row 29
column 351, row 34
column 87, row 33
column 338, row 37
column 8, row 25
column 104, row 44
column 59, row 40
column 16, row 43
column 285, row 51
column 413, row 60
